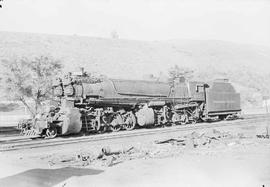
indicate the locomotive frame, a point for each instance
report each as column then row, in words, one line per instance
column 94, row 105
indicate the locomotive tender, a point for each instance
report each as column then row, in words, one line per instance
column 113, row 104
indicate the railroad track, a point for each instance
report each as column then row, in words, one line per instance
column 27, row 143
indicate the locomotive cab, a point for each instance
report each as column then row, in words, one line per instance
column 194, row 90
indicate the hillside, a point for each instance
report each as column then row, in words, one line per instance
column 246, row 65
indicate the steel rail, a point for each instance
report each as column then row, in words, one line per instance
column 9, row 146
column 18, row 138
column 14, row 134
column 4, row 131
column 29, row 138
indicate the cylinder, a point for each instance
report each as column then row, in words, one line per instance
column 71, row 121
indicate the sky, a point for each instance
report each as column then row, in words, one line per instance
column 242, row 21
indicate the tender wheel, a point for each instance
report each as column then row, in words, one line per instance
column 130, row 122
column 51, row 132
column 23, row 132
column 222, row 117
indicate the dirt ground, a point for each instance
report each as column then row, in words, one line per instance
column 214, row 157
column 237, row 166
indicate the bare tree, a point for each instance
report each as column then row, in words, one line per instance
column 29, row 80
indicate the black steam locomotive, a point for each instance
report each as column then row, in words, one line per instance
column 90, row 105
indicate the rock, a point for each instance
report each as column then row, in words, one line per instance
column 106, row 150
column 83, row 157
column 262, row 136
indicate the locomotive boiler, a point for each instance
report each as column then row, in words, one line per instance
column 90, row 105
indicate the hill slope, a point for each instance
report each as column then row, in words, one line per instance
column 125, row 57
column 246, row 65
